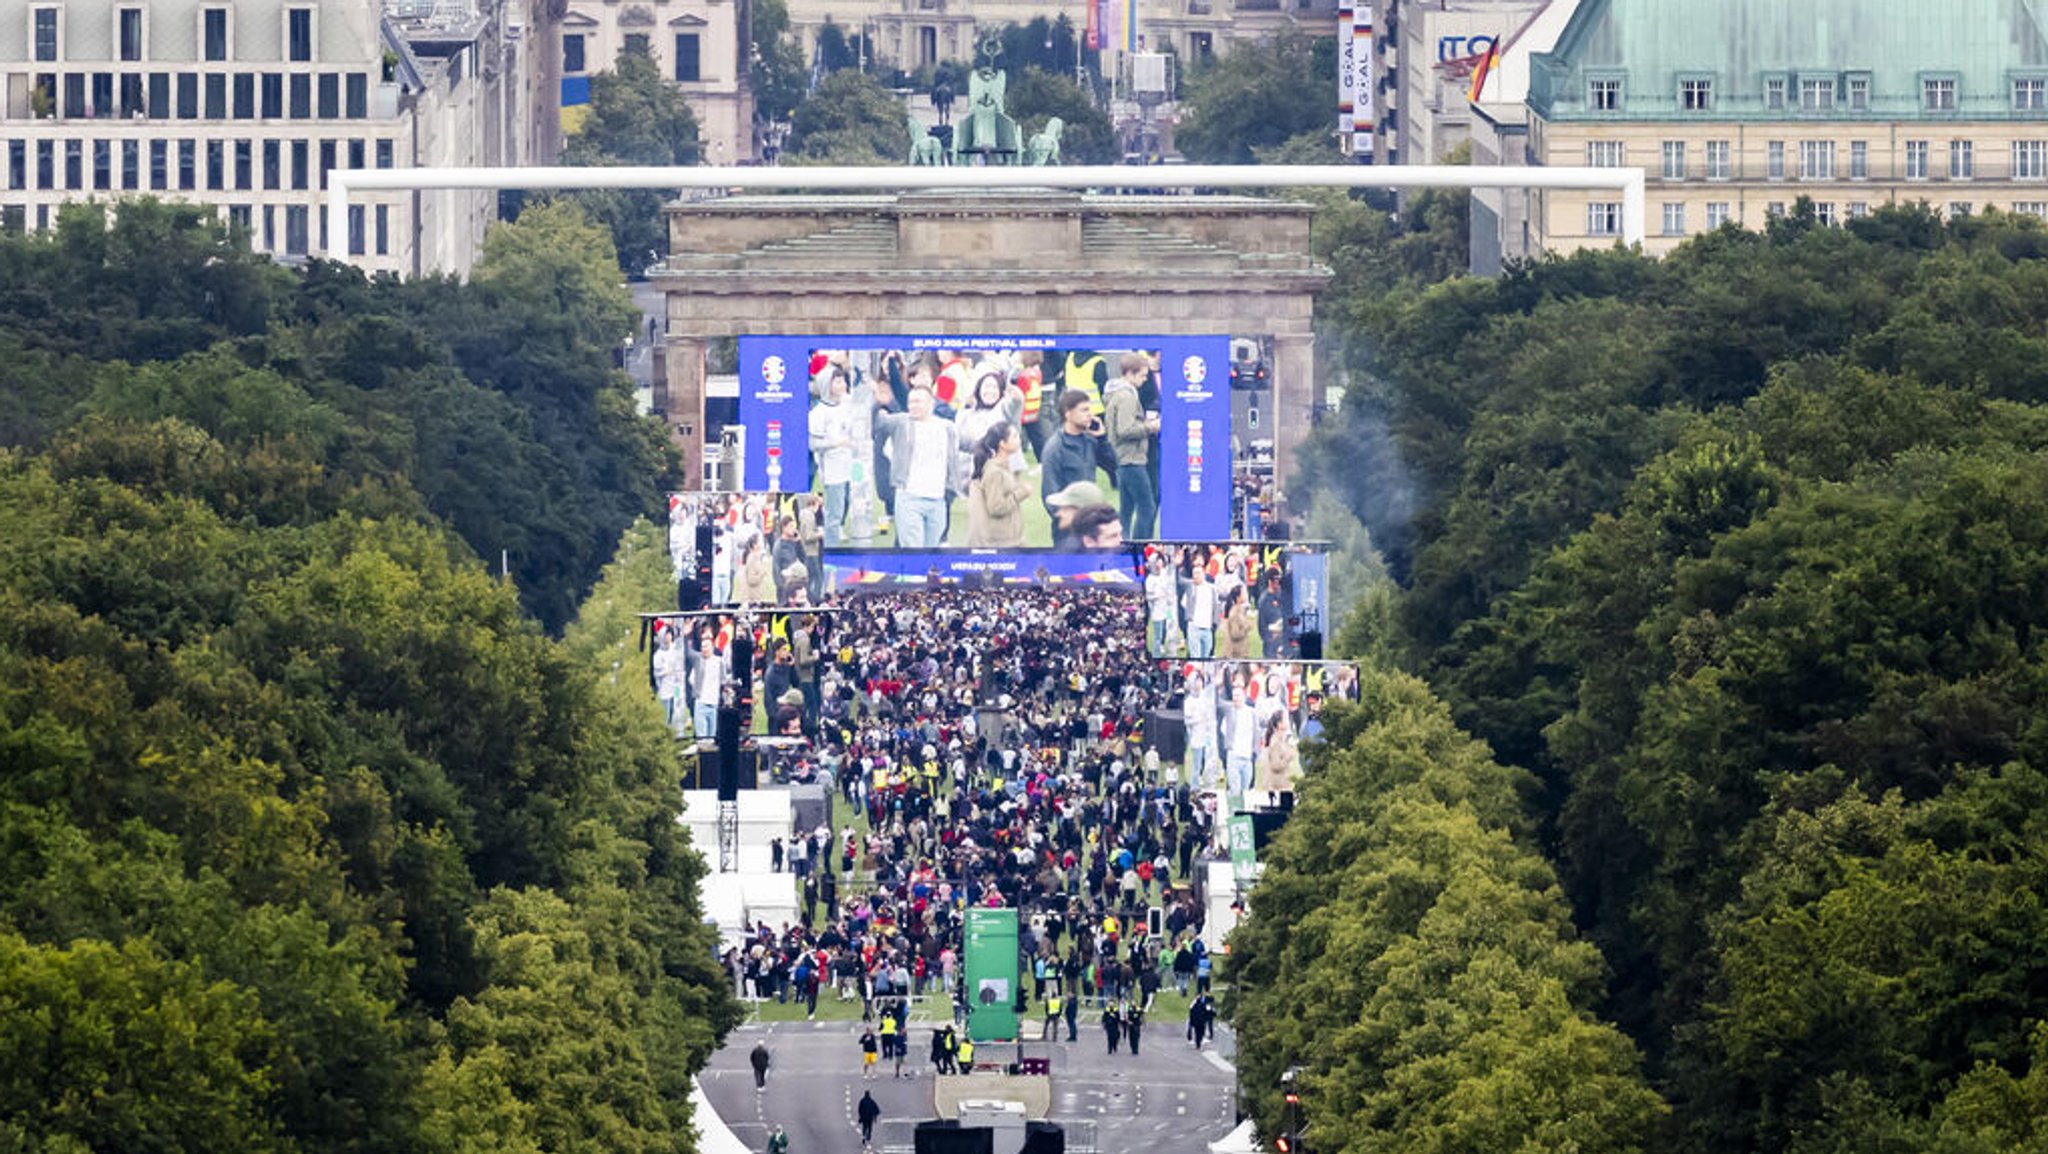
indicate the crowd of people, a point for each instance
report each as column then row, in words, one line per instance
column 766, row 548
column 996, row 748
column 1228, row 600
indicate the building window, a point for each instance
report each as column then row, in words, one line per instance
column 1717, row 214
column 383, row 229
column 636, row 43
column 383, row 154
column 159, row 96
column 103, row 164
column 1603, row 218
column 687, row 57
column 1824, row 212
column 1858, row 210
column 1604, row 95
column 1774, row 93
column 216, row 96
column 244, row 165
column 17, row 164
column 2030, row 159
column 102, row 94
column 326, row 161
column 358, row 96
column 46, row 164
column 295, row 230
column 1816, row 95
column 1816, row 160
column 572, row 53
column 2028, row 93
column 273, row 175
column 213, row 33
column 159, row 165
column 131, row 33
column 1718, row 165
column 216, row 164
column 132, row 101
column 238, row 219
column 1605, row 153
column 1674, row 219
column 188, row 96
column 74, row 164
column 1856, row 87
column 1775, row 210
column 1938, row 94
column 1916, row 160
column 46, row 33
column 330, row 96
column 131, row 164
column 300, row 166
column 74, row 95
column 1774, row 153
column 273, row 95
column 188, row 164
column 298, row 25
column 301, row 88
column 1957, row 209
column 1859, row 159
column 2034, row 208
column 355, row 154
column 355, row 230
column 1696, row 95
column 269, row 228
column 245, row 96
column 1674, row 160
column 1962, row 160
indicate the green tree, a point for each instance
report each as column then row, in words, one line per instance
column 1034, row 96
column 636, row 116
column 849, row 119
column 1257, row 95
column 775, row 62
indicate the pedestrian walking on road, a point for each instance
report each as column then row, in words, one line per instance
column 869, row 1111
column 1201, row 1013
column 1112, row 1026
column 778, row 1142
column 1134, row 1025
column 760, row 1058
column 868, row 1048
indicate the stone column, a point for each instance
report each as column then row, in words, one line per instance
column 1295, row 396
column 679, row 400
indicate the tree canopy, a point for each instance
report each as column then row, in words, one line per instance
column 850, row 119
column 1257, row 95
column 636, row 116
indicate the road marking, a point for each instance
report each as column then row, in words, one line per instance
column 1216, row 1060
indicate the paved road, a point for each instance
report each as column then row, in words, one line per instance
column 1168, row 1099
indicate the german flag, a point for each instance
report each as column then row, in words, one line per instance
column 1482, row 70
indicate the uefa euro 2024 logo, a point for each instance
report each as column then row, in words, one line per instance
column 1194, row 370
column 773, row 370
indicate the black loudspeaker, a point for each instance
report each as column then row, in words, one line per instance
column 1311, row 644
column 742, row 657
column 1167, row 731
column 728, row 753
column 693, row 592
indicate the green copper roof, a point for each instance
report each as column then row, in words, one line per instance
column 1652, row 45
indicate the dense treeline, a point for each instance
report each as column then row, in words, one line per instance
column 1743, row 556
column 310, row 838
column 494, row 401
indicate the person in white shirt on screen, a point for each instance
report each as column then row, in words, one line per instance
column 1201, row 614
column 1161, row 591
column 706, row 686
column 923, row 452
column 832, row 442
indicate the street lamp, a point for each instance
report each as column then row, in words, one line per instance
column 1290, row 1141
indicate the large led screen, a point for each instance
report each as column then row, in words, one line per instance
column 993, row 442
column 736, row 549
column 1240, row 600
column 1246, row 720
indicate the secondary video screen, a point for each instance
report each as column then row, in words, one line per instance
column 734, row 549
column 695, row 667
column 1246, row 720
column 1236, row 600
column 993, row 443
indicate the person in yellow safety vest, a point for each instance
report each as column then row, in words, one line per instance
column 965, row 1055
column 1081, row 373
column 889, row 1047
column 1053, row 1005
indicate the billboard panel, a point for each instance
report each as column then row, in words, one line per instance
column 885, row 569
column 1246, row 719
column 764, row 548
column 1242, row 600
column 692, row 665
column 989, row 963
column 903, row 437
column 1364, row 78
